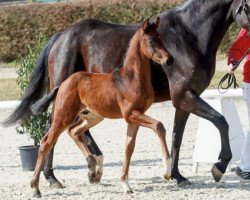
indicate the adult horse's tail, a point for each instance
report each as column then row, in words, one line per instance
column 42, row 104
column 36, row 87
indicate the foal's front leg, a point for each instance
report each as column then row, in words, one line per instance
column 129, row 149
column 143, row 120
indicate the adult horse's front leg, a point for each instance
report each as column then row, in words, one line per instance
column 194, row 104
column 180, row 120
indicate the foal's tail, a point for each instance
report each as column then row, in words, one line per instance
column 42, row 104
column 36, row 87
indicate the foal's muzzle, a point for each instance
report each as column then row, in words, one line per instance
column 169, row 62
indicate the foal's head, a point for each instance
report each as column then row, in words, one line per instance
column 152, row 46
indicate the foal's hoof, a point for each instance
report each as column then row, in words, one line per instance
column 126, row 187
column 91, row 177
column 56, row 185
column 166, row 177
column 98, row 176
column 217, row 174
column 36, row 193
column 95, row 177
column 128, row 192
column 184, row 183
column 99, row 168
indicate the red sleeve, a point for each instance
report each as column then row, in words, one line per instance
column 238, row 48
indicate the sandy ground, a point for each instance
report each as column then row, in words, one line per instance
column 146, row 167
column 145, row 173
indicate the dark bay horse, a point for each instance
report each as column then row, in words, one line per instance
column 192, row 34
column 84, row 99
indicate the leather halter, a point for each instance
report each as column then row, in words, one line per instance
column 244, row 7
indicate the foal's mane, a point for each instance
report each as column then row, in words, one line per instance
column 133, row 47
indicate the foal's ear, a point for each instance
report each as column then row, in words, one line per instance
column 145, row 25
column 158, row 22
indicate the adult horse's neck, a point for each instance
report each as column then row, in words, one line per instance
column 209, row 20
column 198, row 27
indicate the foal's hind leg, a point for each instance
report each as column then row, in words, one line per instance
column 143, row 120
column 76, row 132
column 47, row 143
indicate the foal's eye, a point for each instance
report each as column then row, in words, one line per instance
column 152, row 41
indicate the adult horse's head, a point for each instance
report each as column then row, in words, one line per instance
column 241, row 13
column 152, row 45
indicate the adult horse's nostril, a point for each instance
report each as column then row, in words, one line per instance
column 170, row 61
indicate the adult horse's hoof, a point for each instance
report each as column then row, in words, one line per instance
column 56, row 185
column 184, row 183
column 181, row 180
column 217, row 174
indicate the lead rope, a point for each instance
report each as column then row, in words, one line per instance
column 231, row 79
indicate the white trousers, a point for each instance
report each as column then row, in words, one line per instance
column 244, row 163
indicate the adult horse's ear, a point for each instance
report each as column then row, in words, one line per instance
column 145, row 25
column 158, row 22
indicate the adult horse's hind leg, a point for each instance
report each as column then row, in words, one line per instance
column 198, row 106
column 48, row 169
column 77, row 132
column 180, row 120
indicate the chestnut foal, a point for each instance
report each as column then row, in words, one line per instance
column 84, row 99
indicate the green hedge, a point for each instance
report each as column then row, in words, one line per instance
column 19, row 25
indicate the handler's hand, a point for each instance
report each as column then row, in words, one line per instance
column 230, row 69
